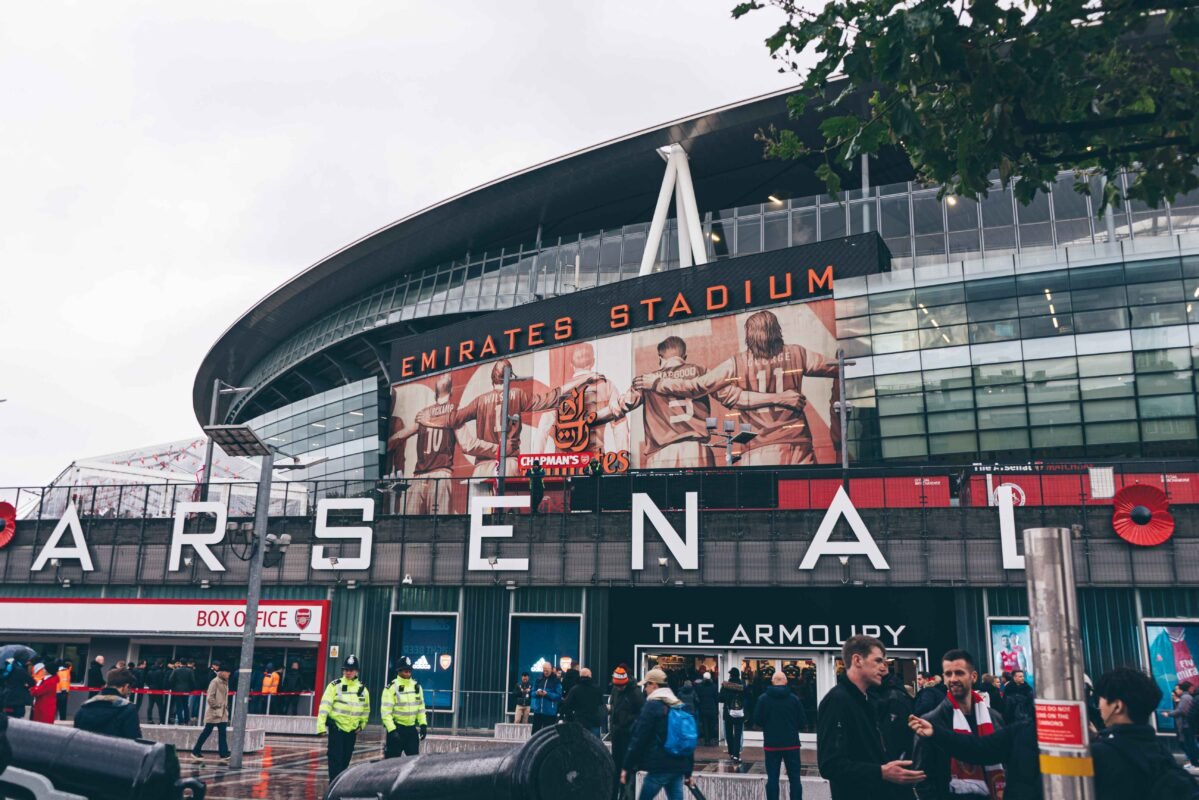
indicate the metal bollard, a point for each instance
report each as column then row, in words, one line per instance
column 98, row 767
column 563, row 762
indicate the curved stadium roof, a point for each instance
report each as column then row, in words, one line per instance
column 601, row 187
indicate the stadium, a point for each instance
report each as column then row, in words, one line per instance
column 770, row 419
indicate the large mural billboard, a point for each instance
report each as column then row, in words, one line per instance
column 644, row 399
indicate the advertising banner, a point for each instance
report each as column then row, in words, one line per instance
column 428, row 641
column 1010, row 648
column 1172, row 648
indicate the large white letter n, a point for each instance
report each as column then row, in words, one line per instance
column 865, row 545
column 686, row 552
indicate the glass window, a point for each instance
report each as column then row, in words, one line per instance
column 1106, row 364
column 893, row 217
column 1095, row 276
column 852, row 306
column 907, row 447
column 899, row 383
column 902, row 426
column 1162, row 360
column 1107, row 319
column 1109, row 342
column 853, row 326
column 944, row 443
column 997, row 331
column 1181, row 405
column 1002, row 417
column 997, row 206
column 1181, row 431
column 1107, row 386
column 1052, row 391
column 892, row 301
column 1164, row 383
column 1003, row 440
column 1159, row 292
column 944, row 336
column 775, row 229
column 952, row 421
column 1006, row 308
column 942, row 316
column 1103, row 297
column 950, row 400
column 1155, row 316
column 1042, row 327
column 955, row 378
column 1057, row 436
column 1154, row 270
column 1104, row 410
column 1048, row 304
column 927, row 216
column 1111, row 432
column 895, row 404
column 893, row 321
column 990, row 288
column 803, row 227
column 1003, row 395
column 720, row 237
column 1034, row 222
column 896, row 343
column 1048, row 368
column 832, row 221
column 1043, row 284
column 749, row 235
column 942, row 295
column 994, row 374
column 1056, row 414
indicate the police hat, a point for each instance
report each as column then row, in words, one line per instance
column 351, row 663
column 404, row 664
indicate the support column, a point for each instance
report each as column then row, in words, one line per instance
column 653, row 239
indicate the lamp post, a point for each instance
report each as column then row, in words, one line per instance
column 731, row 436
column 843, row 406
column 219, row 387
column 241, row 440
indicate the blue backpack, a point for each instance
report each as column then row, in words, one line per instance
column 681, row 733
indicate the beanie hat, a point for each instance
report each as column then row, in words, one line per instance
column 620, row 676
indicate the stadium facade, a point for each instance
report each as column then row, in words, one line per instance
column 1002, row 366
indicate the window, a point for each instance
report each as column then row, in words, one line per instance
column 1112, row 432
column 944, row 443
column 1096, row 276
column 775, row 232
column 1164, row 383
column 1057, row 436
column 803, row 227
column 941, row 295
column 1181, row 405
column 1106, row 364
column 1004, row 395
column 832, row 221
column 951, row 421
column 1003, row 440
column 1002, row 417
column 1056, row 414
column 749, row 235
column 894, row 321
column 1108, row 319
column 892, row 301
column 1052, row 391
column 1006, row 308
column 1153, row 270
column 1154, row 316
column 1162, row 360
column 993, row 374
column 950, row 399
column 1104, row 410
column 1106, row 387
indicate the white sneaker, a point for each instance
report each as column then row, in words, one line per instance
column 1191, row 769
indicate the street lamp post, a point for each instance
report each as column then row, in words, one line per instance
column 843, row 406
column 219, row 387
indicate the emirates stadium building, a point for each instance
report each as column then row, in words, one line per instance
column 770, row 418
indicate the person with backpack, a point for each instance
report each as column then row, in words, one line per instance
column 584, row 703
column 732, row 698
column 663, row 742
column 346, row 704
column 780, row 716
column 1184, row 702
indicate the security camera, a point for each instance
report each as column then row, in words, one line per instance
column 407, row 580
column 54, row 562
column 662, row 562
column 187, row 561
column 492, row 561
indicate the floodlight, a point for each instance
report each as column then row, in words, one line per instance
column 238, row 440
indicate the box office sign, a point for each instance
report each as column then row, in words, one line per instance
column 304, row 621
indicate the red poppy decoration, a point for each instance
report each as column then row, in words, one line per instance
column 1141, row 515
column 8, row 523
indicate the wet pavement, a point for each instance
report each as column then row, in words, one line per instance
column 294, row 768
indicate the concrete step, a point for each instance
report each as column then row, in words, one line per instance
column 511, row 732
column 184, row 737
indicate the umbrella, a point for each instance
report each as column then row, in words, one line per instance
column 17, row 652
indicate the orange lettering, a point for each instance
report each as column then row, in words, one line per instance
column 619, row 316
column 822, row 281
column 428, row 360
column 777, row 295
column 649, row 304
column 406, row 367
column 511, row 334
column 447, row 356
column 535, row 334
column 488, row 348
column 749, row 295
column 563, row 328
column 466, row 351
column 724, row 298
column 680, row 305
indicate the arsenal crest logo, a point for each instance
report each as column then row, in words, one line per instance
column 303, row 617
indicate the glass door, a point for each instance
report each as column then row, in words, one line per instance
column 802, row 671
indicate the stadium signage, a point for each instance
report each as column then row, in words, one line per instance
column 763, row 279
column 772, row 635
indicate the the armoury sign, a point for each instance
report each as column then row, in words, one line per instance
column 69, row 543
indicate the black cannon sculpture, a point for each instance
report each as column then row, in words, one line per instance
column 562, row 762
column 95, row 766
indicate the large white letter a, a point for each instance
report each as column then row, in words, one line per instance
column 842, row 506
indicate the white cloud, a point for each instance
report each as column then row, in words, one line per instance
column 167, row 164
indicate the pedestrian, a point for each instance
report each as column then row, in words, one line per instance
column 1183, row 702
column 662, row 743
column 17, row 681
column 64, row 688
column 182, row 683
column 270, row 688
column 732, row 698
column 216, row 715
column 95, row 676
column 931, row 695
column 1015, row 746
column 139, row 683
column 849, row 744
column 522, row 694
column 289, row 689
column 583, row 703
column 43, row 690
column 536, row 476
column 625, row 702
column 110, row 712
column 963, row 711
column 547, row 694
column 687, row 695
column 156, row 684
column 707, row 697
column 1018, row 698
column 895, row 706
column 347, row 704
column 403, row 712
column 780, row 716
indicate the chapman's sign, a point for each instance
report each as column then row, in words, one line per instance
column 68, row 542
column 722, row 287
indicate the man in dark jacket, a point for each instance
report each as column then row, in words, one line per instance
column 780, row 716
column 15, row 690
column 522, row 696
column 110, row 712
column 95, row 676
column 290, row 688
column 647, row 748
column 625, row 702
column 707, row 700
column 584, row 702
column 181, row 683
column 849, row 744
column 734, row 701
column 895, row 706
column 1014, row 746
column 930, row 696
column 156, row 681
column 1018, row 698
column 949, row 777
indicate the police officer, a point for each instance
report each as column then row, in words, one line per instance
column 403, row 710
column 346, row 704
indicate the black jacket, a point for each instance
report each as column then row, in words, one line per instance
column 110, row 714
column 647, row 747
column 156, row 678
column 293, row 681
column 5, row 747
column 583, row 704
column 934, row 760
column 182, row 680
column 1018, row 701
column 895, row 706
column 1014, row 746
column 16, row 687
column 706, row 698
column 733, row 695
column 1128, row 759
column 929, row 698
column 849, row 746
column 626, row 707
column 522, row 694
column 780, row 716
column 95, row 675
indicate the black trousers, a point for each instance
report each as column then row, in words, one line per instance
column 543, row 721
column 536, row 495
column 287, row 705
column 403, row 741
column 707, row 727
column 158, row 701
column 61, row 701
column 775, row 759
column 222, row 744
column 341, row 750
column 620, row 748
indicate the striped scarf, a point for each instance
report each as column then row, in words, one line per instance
column 971, row 779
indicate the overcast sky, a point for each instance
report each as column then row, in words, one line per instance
column 165, row 165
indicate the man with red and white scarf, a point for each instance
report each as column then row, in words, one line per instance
column 964, row 711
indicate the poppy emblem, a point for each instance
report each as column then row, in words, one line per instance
column 303, row 617
column 8, row 523
column 1141, row 515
